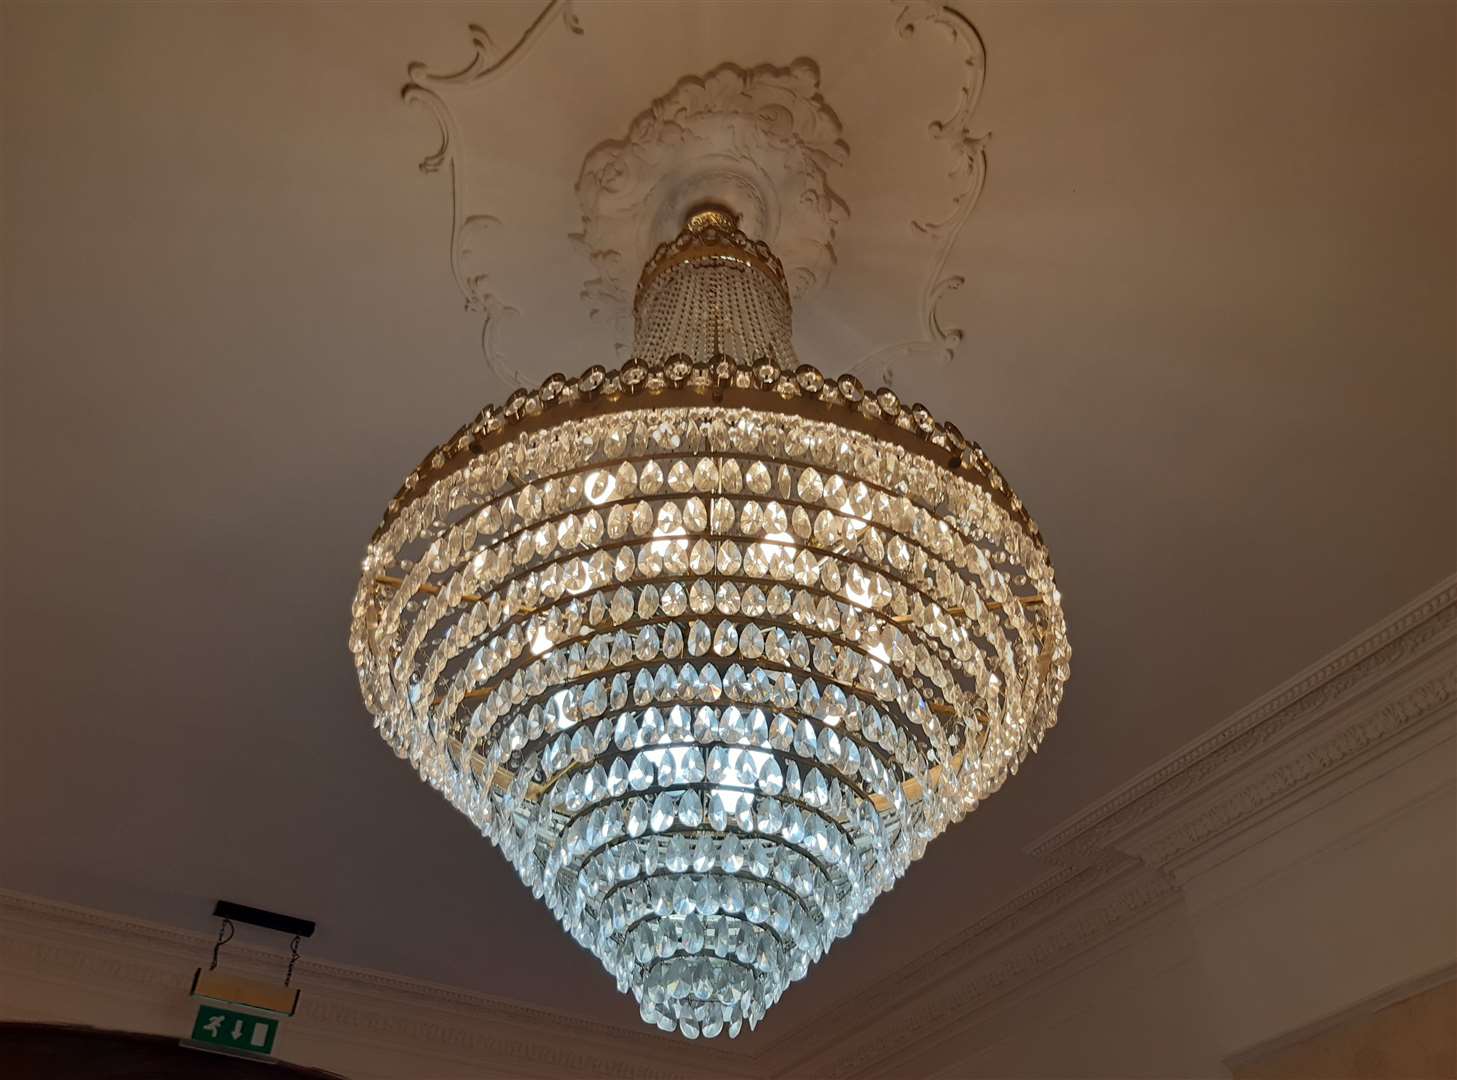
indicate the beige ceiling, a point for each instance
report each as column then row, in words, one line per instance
column 1209, row 317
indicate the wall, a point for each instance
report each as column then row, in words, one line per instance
column 1347, row 910
column 1412, row 1037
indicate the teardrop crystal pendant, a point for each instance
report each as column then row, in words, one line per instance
column 710, row 646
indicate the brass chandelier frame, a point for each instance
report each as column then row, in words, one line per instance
column 761, row 386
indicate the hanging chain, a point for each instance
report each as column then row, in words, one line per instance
column 225, row 935
column 292, row 959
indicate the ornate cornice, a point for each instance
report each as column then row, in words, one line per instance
column 1425, row 626
column 943, row 1011
column 1352, row 744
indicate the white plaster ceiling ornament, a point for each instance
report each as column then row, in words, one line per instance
column 469, row 233
column 759, row 142
column 763, row 140
column 968, row 154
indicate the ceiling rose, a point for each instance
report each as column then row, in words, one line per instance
column 710, row 646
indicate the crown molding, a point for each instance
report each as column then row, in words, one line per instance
column 57, row 942
column 1419, row 636
column 1376, row 737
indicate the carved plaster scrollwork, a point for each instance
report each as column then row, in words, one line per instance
column 761, row 140
column 968, row 173
column 470, row 233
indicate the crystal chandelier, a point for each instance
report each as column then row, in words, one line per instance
column 710, row 646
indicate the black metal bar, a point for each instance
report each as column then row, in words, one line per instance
column 269, row 920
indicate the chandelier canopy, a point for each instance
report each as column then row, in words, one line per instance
column 710, row 646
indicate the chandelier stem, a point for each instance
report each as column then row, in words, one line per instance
column 711, row 291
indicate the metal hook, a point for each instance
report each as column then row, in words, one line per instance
column 292, row 959
column 225, row 935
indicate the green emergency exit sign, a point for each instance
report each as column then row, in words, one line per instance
column 230, row 1030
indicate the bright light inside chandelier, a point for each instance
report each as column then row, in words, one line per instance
column 711, row 646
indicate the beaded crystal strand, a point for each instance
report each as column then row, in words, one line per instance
column 711, row 646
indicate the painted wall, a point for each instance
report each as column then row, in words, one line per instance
column 1413, row 1037
column 1335, row 916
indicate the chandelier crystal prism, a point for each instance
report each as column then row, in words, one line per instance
column 710, row 646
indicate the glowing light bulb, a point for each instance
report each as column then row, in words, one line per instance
column 599, row 487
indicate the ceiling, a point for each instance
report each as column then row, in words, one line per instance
column 1209, row 334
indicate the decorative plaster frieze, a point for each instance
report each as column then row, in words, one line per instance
column 807, row 1047
column 1425, row 628
column 1425, row 701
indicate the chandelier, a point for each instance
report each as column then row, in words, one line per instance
column 710, row 646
